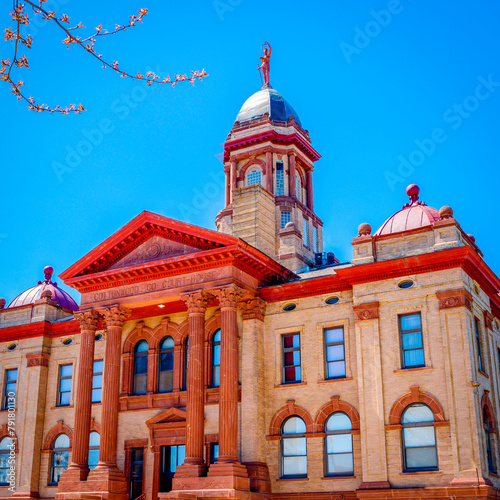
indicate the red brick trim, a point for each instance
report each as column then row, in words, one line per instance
column 60, row 428
column 454, row 298
column 488, row 320
column 336, row 405
column 415, row 396
column 290, row 409
column 4, row 432
column 37, row 359
column 363, row 312
column 487, row 407
column 251, row 163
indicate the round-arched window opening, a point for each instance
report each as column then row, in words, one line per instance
column 11, row 347
column 406, row 284
column 67, row 341
column 331, row 300
column 98, row 337
column 289, row 307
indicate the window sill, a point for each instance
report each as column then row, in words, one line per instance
column 294, row 384
column 337, row 478
column 484, row 374
column 341, row 379
column 422, row 472
column 97, row 403
column 61, row 407
column 292, row 479
column 416, row 369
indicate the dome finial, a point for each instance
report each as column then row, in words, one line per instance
column 48, row 271
column 265, row 57
column 412, row 191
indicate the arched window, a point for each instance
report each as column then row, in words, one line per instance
column 166, row 368
column 338, row 445
column 293, row 448
column 59, row 459
column 419, row 439
column 489, row 449
column 6, row 446
column 94, row 442
column 298, row 187
column 141, row 368
column 254, row 177
column 216, row 359
column 186, row 360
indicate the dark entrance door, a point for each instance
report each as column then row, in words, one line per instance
column 171, row 457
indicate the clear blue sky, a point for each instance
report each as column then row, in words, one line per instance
column 365, row 98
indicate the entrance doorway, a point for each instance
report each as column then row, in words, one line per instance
column 136, row 472
column 171, row 457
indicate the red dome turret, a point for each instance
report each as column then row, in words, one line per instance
column 413, row 215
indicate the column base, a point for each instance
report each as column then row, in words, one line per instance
column 470, row 481
column 107, row 479
column 187, row 470
column 215, row 487
column 25, row 494
column 74, row 474
column 224, row 469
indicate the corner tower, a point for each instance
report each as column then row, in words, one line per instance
column 269, row 164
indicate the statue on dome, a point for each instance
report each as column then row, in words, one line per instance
column 266, row 64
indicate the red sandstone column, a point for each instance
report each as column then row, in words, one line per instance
column 228, row 463
column 269, row 174
column 228, row 185
column 291, row 176
column 309, row 188
column 234, row 180
column 194, row 465
column 79, row 468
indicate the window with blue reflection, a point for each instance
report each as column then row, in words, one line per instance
column 334, row 353
column 412, row 347
column 166, row 365
column 293, row 448
column 141, row 368
column 338, row 445
column 216, row 359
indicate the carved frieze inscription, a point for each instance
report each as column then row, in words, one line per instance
column 156, row 248
column 148, row 287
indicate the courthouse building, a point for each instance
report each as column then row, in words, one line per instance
column 247, row 363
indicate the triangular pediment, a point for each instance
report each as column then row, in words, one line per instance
column 167, row 416
column 156, row 248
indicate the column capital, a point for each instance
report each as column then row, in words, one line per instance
column 230, row 295
column 254, row 308
column 87, row 319
column 197, row 302
column 115, row 315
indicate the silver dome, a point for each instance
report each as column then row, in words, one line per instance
column 267, row 100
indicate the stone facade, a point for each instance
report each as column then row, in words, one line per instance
column 233, row 306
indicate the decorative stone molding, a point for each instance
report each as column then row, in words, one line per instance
column 115, row 315
column 454, row 298
column 335, row 405
column 488, row 320
column 88, row 319
column 6, row 432
column 61, row 427
column 254, row 309
column 363, row 312
column 287, row 411
column 198, row 301
column 252, row 162
column 37, row 359
column 415, row 396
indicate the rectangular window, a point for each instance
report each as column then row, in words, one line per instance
column 315, row 239
column 305, row 232
column 10, row 386
column 170, row 458
column 136, row 472
column 97, row 381
column 280, row 179
column 214, row 452
column 334, row 353
column 412, row 347
column 64, row 392
column 286, row 217
column 291, row 358
column 480, row 362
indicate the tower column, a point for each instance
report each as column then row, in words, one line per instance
column 269, row 172
column 291, row 176
column 309, row 188
column 194, row 464
column 228, row 185
column 106, row 477
column 228, row 464
column 234, row 180
column 79, row 468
